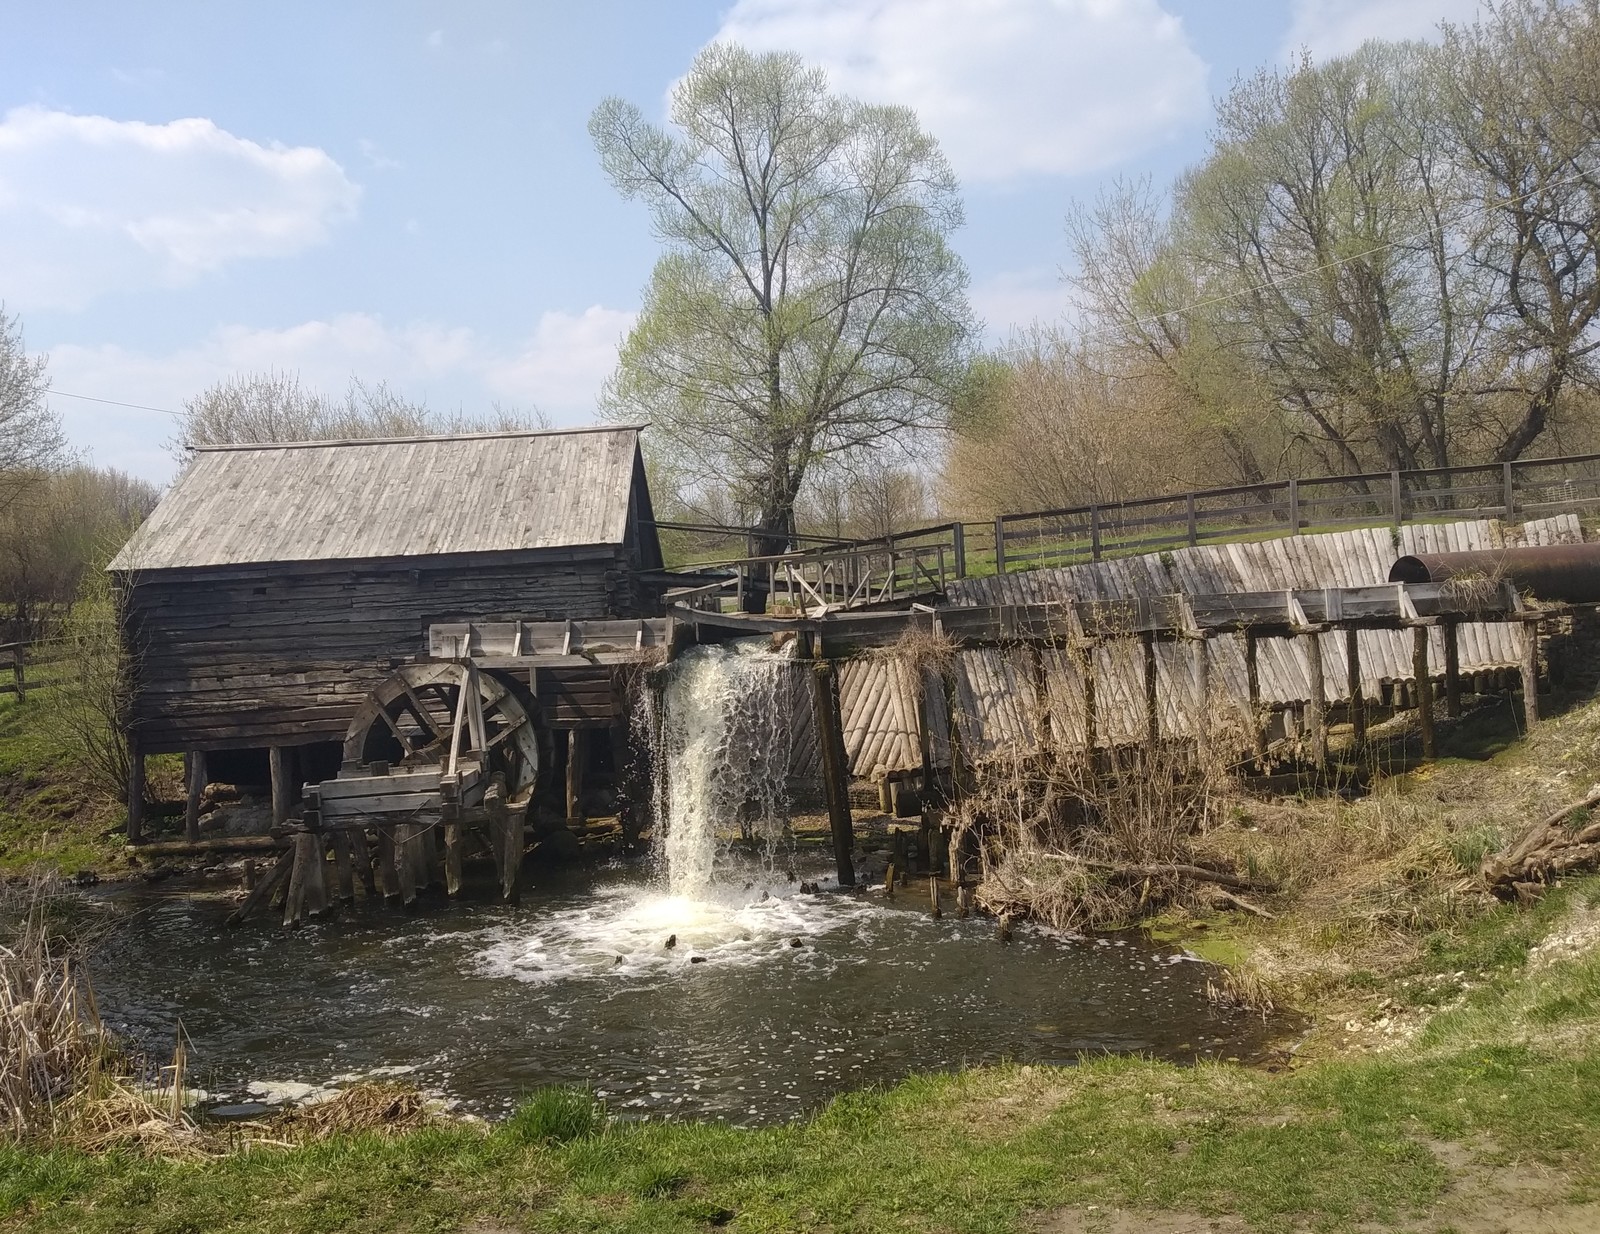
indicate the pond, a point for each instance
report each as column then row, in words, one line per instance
column 768, row 1001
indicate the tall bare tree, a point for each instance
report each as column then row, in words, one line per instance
column 808, row 303
column 1525, row 88
column 31, row 441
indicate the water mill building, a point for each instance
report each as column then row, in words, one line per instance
column 276, row 585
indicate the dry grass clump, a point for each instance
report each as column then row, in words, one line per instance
column 381, row 1106
column 1241, row 987
column 52, row 1044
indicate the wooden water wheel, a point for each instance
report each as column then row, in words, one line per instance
column 413, row 718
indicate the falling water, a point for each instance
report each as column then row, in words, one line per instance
column 723, row 756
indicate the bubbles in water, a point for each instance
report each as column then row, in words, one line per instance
column 722, row 756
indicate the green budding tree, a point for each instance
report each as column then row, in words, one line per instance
column 808, row 304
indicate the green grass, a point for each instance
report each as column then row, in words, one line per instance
column 1511, row 1073
column 47, row 814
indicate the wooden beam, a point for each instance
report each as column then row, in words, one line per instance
column 835, row 768
column 575, row 753
column 136, row 789
column 194, row 779
column 1452, row 670
column 1424, row 687
column 1152, row 712
column 280, row 764
column 1358, row 704
column 1318, row 705
column 1529, row 636
column 1252, row 675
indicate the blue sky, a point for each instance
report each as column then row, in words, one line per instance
column 406, row 191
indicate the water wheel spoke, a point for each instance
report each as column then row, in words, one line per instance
column 420, row 709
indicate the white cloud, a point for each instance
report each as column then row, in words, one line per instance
column 558, row 368
column 1333, row 27
column 90, row 205
column 566, row 360
column 1017, row 299
column 1009, row 87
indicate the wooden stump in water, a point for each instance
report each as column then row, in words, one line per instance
column 452, row 858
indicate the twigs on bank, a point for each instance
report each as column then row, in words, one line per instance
column 1566, row 840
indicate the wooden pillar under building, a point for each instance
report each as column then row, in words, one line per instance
column 835, row 767
column 1452, row 670
column 1530, row 672
column 1358, row 704
column 280, row 761
column 1317, row 706
column 136, row 785
column 575, row 753
column 194, row 780
column 1424, row 687
column 1200, row 651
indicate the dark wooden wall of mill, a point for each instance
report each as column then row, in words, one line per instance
column 254, row 655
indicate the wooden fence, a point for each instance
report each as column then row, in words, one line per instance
column 17, row 658
column 1525, row 488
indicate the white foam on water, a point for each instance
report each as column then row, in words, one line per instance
column 622, row 933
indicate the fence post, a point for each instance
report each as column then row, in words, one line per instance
column 19, row 670
column 1188, row 500
column 1508, row 494
column 1000, row 544
column 1094, row 533
column 1396, row 499
column 1294, row 507
column 958, row 540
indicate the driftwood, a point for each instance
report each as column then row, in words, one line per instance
column 1551, row 847
column 209, row 848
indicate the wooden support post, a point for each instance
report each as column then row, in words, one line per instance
column 136, row 785
column 958, row 543
column 1152, row 713
column 1000, row 544
column 1358, row 704
column 506, row 836
column 1452, row 671
column 280, row 762
column 361, row 854
column 194, row 779
column 835, row 767
column 1397, row 500
column 261, row 895
column 452, row 857
column 1530, row 672
column 1252, row 676
column 933, row 896
column 1200, row 651
column 575, row 751
column 1086, row 664
column 19, row 671
column 1317, row 707
column 339, row 839
column 1424, row 687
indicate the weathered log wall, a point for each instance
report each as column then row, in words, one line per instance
column 236, row 656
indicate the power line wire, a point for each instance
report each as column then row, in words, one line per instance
column 111, row 402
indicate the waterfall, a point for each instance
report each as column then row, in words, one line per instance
column 722, row 756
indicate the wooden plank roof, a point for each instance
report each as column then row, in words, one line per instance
column 395, row 497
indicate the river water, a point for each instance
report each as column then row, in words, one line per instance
column 709, row 986
column 484, row 1001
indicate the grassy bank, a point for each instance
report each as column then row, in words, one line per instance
column 49, row 812
column 1500, row 1087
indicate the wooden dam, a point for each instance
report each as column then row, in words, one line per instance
column 430, row 650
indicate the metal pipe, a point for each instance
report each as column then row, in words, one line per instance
column 1562, row 572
